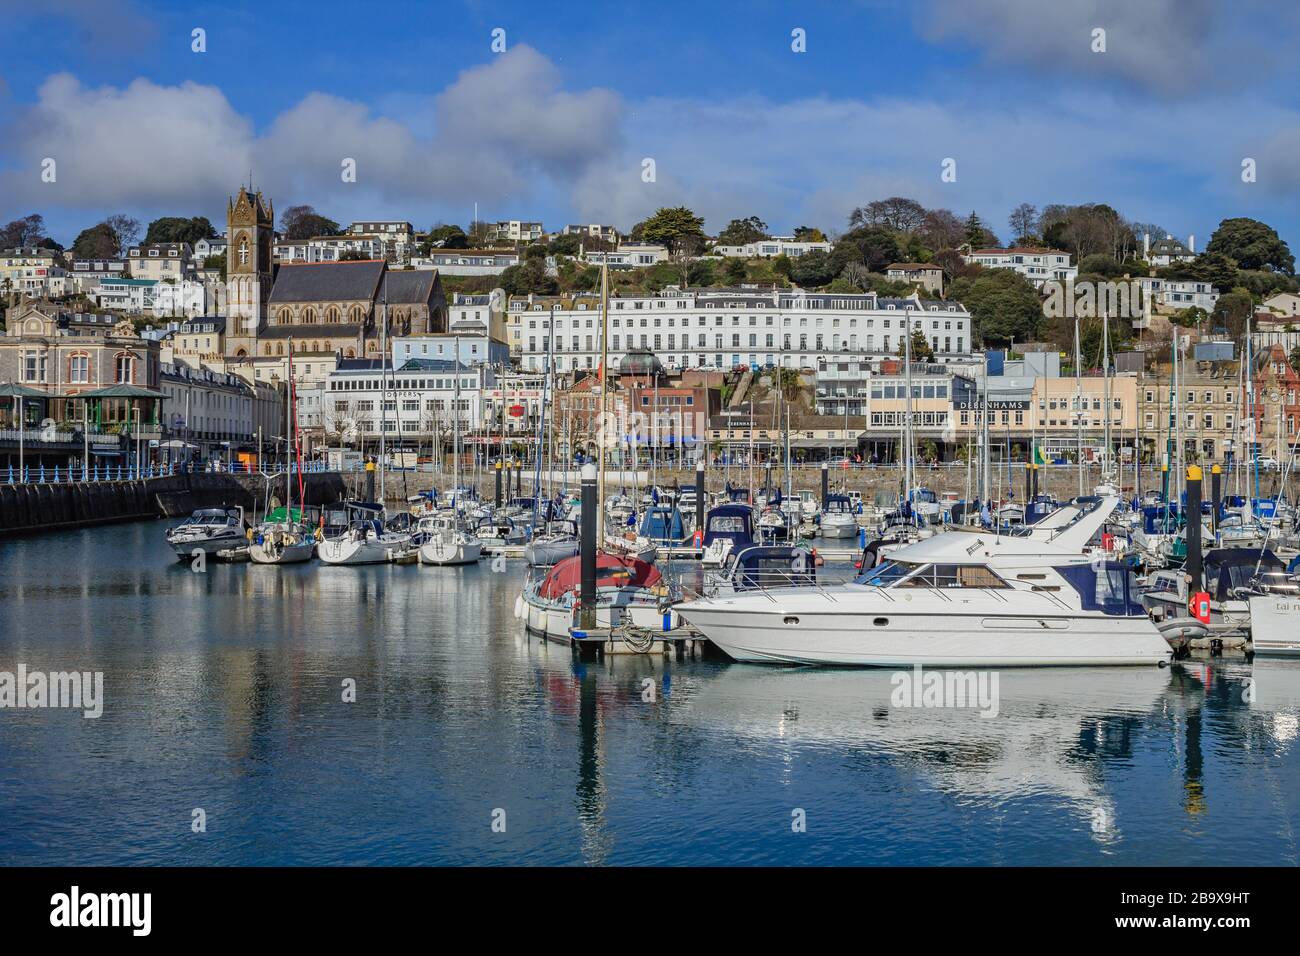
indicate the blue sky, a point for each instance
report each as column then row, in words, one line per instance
column 737, row 123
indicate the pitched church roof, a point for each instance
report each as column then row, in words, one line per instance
column 409, row 286
column 327, row 282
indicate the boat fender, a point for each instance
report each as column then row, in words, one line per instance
column 519, row 607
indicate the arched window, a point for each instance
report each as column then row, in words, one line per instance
column 243, row 250
column 356, row 316
column 333, row 315
column 79, row 369
column 285, row 317
column 267, row 349
column 352, row 353
column 309, row 316
column 279, row 348
column 125, row 365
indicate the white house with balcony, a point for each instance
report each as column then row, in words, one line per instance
column 770, row 248
column 1036, row 265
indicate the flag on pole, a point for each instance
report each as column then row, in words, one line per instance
column 1039, row 458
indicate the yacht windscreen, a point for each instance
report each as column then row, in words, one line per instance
column 727, row 524
column 1110, row 588
column 886, row 574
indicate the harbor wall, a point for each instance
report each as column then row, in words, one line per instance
column 32, row 508
column 1061, row 481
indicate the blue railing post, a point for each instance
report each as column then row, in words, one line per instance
column 56, row 474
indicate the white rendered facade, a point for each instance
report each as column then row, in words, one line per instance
column 728, row 328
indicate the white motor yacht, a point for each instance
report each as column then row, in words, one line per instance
column 838, row 520
column 960, row 599
column 209, row 530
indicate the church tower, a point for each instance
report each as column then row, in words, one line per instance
column 250, row 223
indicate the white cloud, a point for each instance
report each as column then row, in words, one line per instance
column 503, row 131
column 508, row 136
column 1174, row 48
column 143, row 145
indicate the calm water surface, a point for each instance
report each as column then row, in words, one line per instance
column 223, row 691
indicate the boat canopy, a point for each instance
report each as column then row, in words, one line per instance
column 662, row 523
column 1229, row 568
column 839, row 503
column 282, row 514
column 773, row 566
column 612, row 570
column 733, row 522
column 1109, row 587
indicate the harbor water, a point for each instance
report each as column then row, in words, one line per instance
column 469, row 742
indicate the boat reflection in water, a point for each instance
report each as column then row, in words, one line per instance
column 1106, row 753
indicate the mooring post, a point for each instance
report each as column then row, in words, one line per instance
column 587, row 594
column 1193, row 565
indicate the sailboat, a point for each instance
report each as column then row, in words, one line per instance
column 630, row 591
column 287, row 541
column 445, row 540
column 365, row 539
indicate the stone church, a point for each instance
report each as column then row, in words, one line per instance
column 326, row 307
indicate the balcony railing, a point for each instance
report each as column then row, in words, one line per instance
column 63, row 434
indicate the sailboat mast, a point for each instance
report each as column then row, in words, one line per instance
column 1078, row 404
column 288, row 412
column 604, row 394
column 455, row 431
column 1107, row 412
column 383, row 392
column 907, row 410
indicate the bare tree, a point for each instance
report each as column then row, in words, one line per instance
column 126, row 231
column 1022, row 221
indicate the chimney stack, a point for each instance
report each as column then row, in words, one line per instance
column 1191, row 244
column 1146, row 245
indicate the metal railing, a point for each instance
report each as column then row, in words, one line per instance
column 77, row 474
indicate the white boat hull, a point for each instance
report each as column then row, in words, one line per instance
column 369, row 551
column 839, row 527
column 439, row 552
column 1275, row 626
column 269, row 553
column 790, row 628
column 553, row 619
column 185, row 548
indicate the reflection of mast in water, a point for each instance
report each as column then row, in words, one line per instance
column 591, row 793
column 1193, row 759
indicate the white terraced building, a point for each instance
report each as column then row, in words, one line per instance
column 769, row 248
column 1036, row 265
column 729, row 328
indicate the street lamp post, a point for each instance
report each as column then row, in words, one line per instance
column 136, row 412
